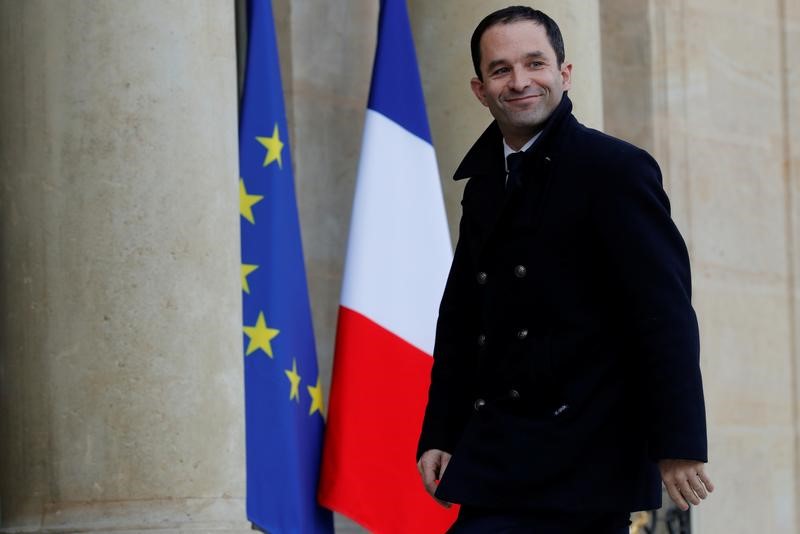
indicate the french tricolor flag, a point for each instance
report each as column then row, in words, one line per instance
column 398, row 257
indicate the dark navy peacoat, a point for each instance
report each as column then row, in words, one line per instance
column 566, row 360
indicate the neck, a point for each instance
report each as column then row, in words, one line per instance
column 517, row 143
column 516, row 138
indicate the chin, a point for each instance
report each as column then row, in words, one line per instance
column 527, row 121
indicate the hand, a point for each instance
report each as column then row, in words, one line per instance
column 685, row 480
column 431, row 466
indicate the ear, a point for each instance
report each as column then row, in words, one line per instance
column 477, row 89
column 566, row 76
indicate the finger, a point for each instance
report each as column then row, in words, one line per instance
column 443, row 503
column 688, row 493
column 697, row 486
column 429, row 478
column 676, row 497
column 706, row 481
column 445, row 462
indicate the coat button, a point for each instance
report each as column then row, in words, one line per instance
column 522, row 333
column 520, row 271
column 547, row 159
column 479, row 403
column 482, row 277
column 514, row 394
column 482, row 340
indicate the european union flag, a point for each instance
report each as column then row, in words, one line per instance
column 283, row 395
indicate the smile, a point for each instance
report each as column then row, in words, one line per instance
column 522, row 99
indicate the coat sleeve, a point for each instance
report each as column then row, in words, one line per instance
column 448, row 405
column 648, row 261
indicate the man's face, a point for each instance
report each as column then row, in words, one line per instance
column 522, row 81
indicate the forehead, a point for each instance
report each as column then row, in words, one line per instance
column 514, row 40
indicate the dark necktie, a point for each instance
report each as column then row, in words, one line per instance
column 514, row 163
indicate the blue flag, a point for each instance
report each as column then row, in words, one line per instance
column 283, row 395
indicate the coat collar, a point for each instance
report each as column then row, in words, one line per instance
column 484, row 156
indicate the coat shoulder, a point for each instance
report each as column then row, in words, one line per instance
column 604, row 151
column 612, row 163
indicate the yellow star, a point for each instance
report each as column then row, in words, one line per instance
column 294, row 378
column 260, row 336
column 316, row 397
column 246, row 202
column 247, row 269
column 274, row 147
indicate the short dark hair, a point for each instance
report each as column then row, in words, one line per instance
column 515, row 14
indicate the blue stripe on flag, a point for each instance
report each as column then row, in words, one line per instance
column 283, row 397
column 396, row 87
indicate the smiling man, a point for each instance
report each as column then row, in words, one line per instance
column 566, row 382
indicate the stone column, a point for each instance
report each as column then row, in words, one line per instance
column 121, row 403
column 442, row 32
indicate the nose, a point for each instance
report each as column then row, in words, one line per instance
column 519, row 80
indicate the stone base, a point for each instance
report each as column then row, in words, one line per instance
column 166, row 516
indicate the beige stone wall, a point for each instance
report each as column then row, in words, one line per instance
column 326, row 52
column 711, row 89
column 789, row 31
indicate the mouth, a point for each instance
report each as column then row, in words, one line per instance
column 523, row 99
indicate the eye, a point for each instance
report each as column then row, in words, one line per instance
column 536, row 64
column 499, row 71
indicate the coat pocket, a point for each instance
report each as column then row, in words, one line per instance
column 501, row 455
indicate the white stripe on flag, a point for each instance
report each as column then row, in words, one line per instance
column 399, row 250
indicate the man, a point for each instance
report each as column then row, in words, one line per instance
column 566, row 367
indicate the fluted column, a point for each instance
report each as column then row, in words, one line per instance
column 120, row 337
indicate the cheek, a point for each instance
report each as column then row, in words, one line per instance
column 493, row 95
column 489, row 98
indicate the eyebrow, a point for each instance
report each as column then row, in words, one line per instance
column 530, row 55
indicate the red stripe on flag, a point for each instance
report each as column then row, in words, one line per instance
column 378, row 394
